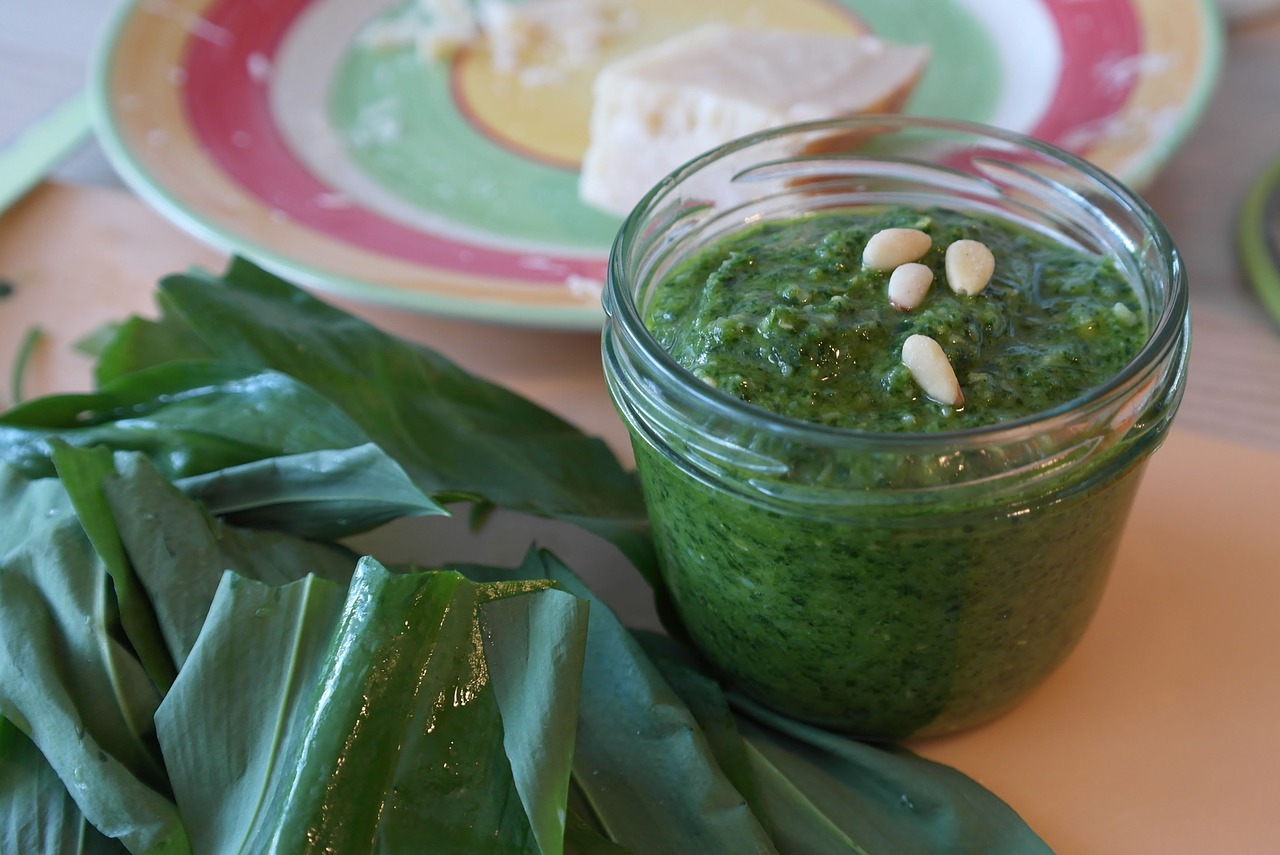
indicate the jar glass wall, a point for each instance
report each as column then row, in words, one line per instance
column 889, row 584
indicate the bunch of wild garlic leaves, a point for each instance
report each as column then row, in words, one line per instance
column 191, row 660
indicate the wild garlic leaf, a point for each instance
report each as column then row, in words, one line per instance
column 229, row 733
column 793, row 822
column 179, row 550
column 885, row 797
column 376, row 725
column 327, row 494
column 686, row 673
column 535, row 653
column 642, row 763
column 818, row 791
column 189, row 418
column 65, row 676
column 458, row 436
column 581, row 839
column 82, row 472
column 37, row 814
column 136, row 343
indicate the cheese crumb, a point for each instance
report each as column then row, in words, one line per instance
column 541, row 42
column 538, row 42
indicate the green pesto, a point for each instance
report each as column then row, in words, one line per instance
column 890, row 622
column 786, row 317
column 880, row 626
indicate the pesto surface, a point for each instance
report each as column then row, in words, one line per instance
column 785, row 316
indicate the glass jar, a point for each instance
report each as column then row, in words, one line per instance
column 889, row 585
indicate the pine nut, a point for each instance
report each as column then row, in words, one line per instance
column 932, row 370
column 969, row 266
column 889, row 248
column 909, row 284
column 1124, row 314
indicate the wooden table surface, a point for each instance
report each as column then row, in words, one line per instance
column 1161, row 733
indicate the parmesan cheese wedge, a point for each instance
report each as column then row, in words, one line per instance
column 654, row 109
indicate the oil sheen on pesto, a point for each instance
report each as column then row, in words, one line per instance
column 786, row 317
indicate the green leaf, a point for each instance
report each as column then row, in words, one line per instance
column 136, row 344
column 66, row 679
column 377, row 726
column 798, row 825
column 26, row 348
column 189, row 418
column 794, row 823
column 231, row 733
column 37, row 814
column 581, row 839
column 886, row 798
column 458, row 436
column 820, row 792
column 535, row 647
column 642, row 762
column 327, row 494
column 180, row 552
column 684, row 672
column 82, row 473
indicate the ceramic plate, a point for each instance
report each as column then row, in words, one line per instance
column 310, row 136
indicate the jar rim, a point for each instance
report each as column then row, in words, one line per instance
column 1171, row 327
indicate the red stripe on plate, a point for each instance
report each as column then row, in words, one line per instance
column 227, row 103
column 1101, row 43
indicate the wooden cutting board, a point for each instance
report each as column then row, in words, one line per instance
column 1160, row 734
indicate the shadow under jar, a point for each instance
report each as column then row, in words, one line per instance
column 889, row 583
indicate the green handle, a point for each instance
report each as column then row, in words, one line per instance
column 1259, row 239
column 30, row 156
